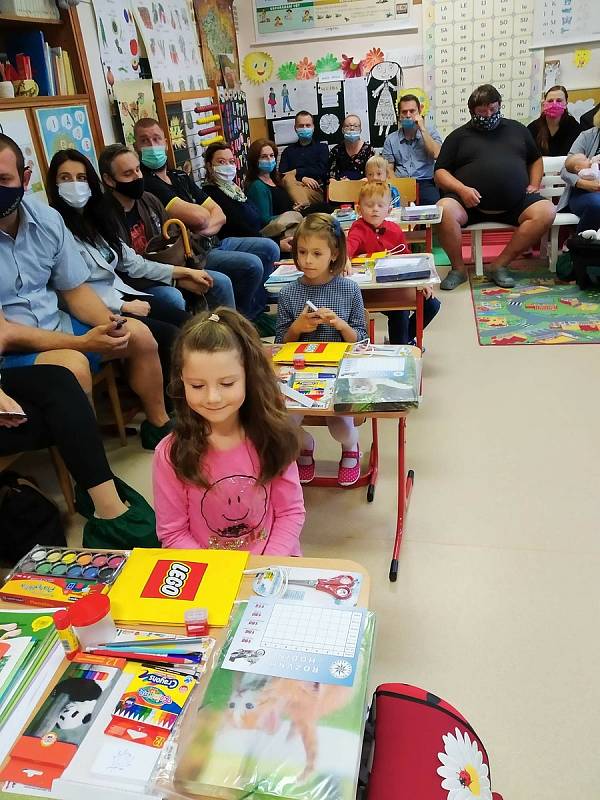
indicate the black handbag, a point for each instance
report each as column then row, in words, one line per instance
column 585, row 256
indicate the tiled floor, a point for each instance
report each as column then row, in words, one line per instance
column 496, row 607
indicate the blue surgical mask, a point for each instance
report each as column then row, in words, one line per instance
column 407, row 123
column 75, row 193
column 305, row 133
column 266, row 165
column 352, row 136
column 226, row 172
column 154, row 157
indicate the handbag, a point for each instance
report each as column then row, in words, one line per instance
column 172, row 250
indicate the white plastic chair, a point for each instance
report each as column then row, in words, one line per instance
column 552, row 188
column 476, row 232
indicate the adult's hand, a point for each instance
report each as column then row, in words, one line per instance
column 285, row 245
column 194, row 280
column 419, row 122
column 531, row 189
column 106, row 339
column 139, row 308
column 310, row 182
column 10, row 406
column 470, row 197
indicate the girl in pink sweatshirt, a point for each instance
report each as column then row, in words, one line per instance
column 227, row 477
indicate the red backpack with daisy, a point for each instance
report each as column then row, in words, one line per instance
column 421, row 748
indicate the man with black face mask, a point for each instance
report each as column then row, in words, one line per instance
column 490, row 170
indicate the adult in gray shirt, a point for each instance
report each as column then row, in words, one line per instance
column 582, row 195
column 413, row 149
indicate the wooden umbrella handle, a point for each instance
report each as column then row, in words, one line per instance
column 184, row 235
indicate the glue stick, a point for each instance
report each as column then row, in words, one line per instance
column 66, row 633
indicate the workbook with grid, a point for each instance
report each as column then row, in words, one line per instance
column 297, row 640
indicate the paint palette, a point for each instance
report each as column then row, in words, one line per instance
column 62, row 575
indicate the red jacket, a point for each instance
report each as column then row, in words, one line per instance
column 363, row 238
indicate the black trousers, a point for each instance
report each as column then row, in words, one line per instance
column 58, row 413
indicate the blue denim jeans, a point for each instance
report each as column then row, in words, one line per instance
column 402, row 325
column 248, row 262
column 221, row 293
column 587, row 207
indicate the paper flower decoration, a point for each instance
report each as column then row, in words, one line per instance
column 287, row 71
column 328, row 63
column 374, row 56
column 306, row 69
column 352, row 68
column 421, row 94
column 258, row 67
column 465, row 775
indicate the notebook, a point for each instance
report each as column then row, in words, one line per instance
column 311, row 352
column 157, row 586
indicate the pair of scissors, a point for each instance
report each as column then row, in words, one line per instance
column 340, row 587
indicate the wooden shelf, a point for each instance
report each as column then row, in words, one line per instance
column 11, row 19
column 7, row 103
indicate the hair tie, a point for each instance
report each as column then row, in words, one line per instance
column 215, row 318
column 336, row 227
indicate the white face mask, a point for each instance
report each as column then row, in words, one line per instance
column 75, row 193
column 226, row 172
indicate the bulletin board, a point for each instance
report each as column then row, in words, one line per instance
column 276, row 21
column 470, row 42
column 561, row 22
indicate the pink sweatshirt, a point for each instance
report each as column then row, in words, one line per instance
column 235, row 512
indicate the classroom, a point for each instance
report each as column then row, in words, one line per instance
column 296, row 413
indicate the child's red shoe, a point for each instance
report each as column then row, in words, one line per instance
column 306, row 471
column 347, row 476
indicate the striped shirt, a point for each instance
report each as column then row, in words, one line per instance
column 340, row 295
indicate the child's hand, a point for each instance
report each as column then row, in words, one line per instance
column 329, row 317
column 308, row 321
column 427, row 292
column 347, row 268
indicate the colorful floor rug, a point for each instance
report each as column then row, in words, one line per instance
column 537, row 311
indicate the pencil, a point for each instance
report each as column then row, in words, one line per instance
column 145, row 657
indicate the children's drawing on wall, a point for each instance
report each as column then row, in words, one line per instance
column 135, row 99
column 284, row 98
column 385, row 79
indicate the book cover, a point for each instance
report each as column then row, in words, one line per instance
column 265, row 736
column 32, row 43
column 158, row 586
column 377, row 383
column 311, row 352
column 70, row 80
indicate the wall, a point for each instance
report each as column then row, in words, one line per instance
column 357, row 46
column 572, row 77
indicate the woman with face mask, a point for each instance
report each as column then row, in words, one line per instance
column 347, row 160
column 278, row 217
column 75, row 191
column 555, row 129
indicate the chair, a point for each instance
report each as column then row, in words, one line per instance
column 552, row 188
column 62, row 475
column 344, row 191
column 107, row 376
column 476, row 230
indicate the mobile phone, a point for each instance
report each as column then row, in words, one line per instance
column 120, row 323
column 312, row 306
column 13, row 415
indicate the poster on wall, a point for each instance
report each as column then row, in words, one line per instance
column 64, row 127
column 216, row 26
column 168, row 30
column 275, row 21
column 135, row 100
column 356, row 102
column 16, row 125
column 330, row 114
column 118, row 42
column 467, row 44
column 284, row 98
column 383, row 84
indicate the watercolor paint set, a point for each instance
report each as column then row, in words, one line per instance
column 62, row 575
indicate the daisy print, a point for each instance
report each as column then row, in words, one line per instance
column 465, row 776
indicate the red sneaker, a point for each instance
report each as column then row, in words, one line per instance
column 306, row 471
column 347, row 476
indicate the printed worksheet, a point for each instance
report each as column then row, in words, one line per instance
column 296, row 640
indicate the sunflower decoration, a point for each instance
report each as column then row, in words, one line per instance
column 287, row 71
column 352, row 68
column 421, row 94
column 374, row 56
column 328, row 63
column 306, row 69
column 258, row 67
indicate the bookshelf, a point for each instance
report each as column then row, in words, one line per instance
column 65, row 33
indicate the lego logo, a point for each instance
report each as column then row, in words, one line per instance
column 174, row 580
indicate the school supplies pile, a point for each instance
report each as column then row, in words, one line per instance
column 60, row 575
column 377, row 383
column 99, row 732
column 263, row 736
column 402, row 268
column 309, row 387
column 322, row 587
column 28, row 640
column 326, row 353
column 157, row 586
column 286, row 272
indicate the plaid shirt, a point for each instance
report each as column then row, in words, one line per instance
column 341, row 295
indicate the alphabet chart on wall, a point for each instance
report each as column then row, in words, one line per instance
column 470, row 42
column 297, row 640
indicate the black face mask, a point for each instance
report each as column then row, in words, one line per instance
column 10, row 199
column 133, row 189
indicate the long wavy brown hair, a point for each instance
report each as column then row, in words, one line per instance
column 263, row 414
column 253, row 158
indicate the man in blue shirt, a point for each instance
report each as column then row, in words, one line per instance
column 413, row 148
column 304, row 165
column 40, row 265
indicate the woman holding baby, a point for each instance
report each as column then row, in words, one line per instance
column 581, row 174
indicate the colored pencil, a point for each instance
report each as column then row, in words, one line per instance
column 144, row 657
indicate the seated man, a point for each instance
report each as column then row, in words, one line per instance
column 490, row 170
column 304, row 165
column 413, row 149
column 40, row 265
column 141, row 216
column 248, row 261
